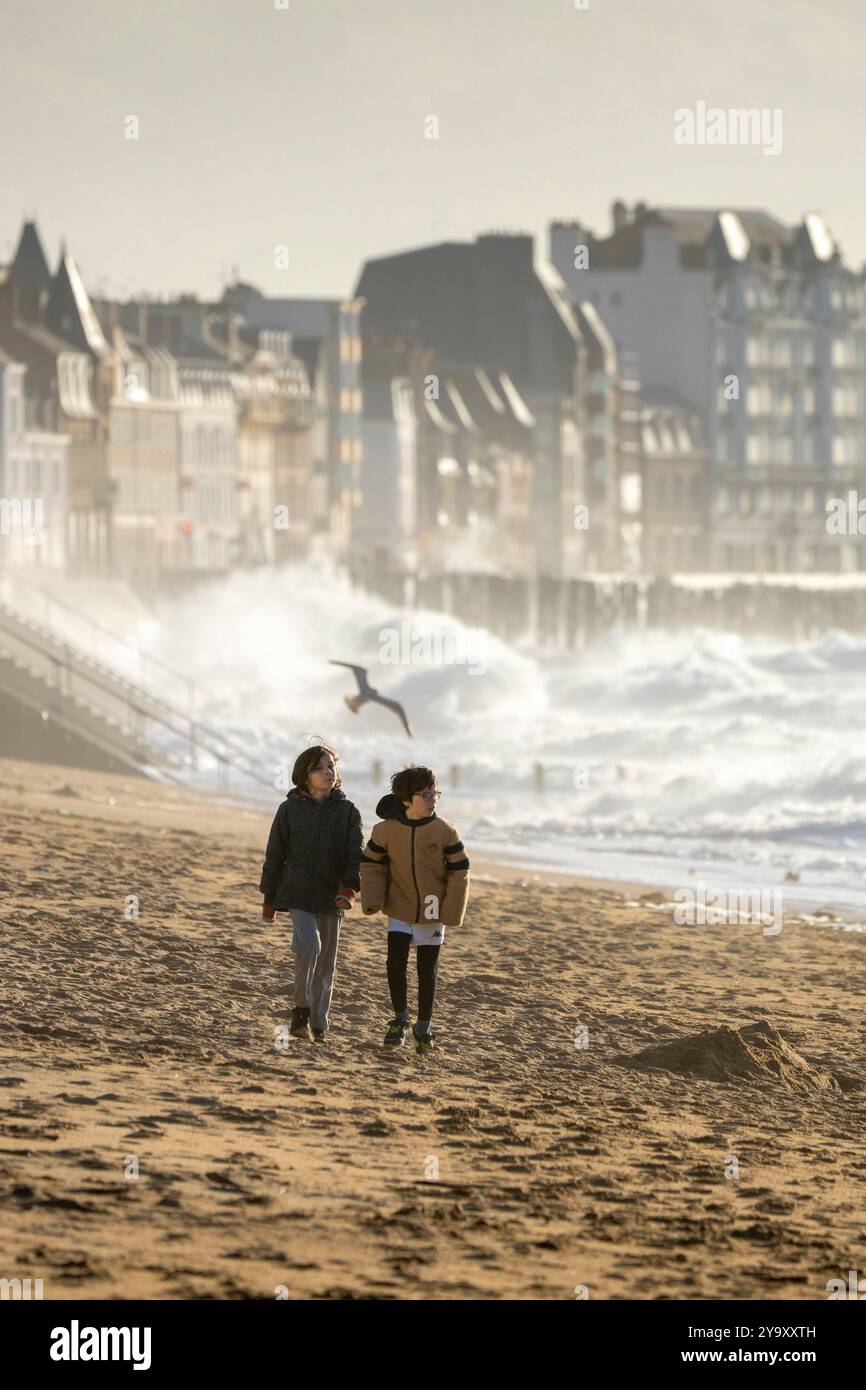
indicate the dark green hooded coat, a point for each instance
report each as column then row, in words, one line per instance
column 314, row 852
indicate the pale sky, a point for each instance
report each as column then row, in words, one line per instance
column 261, row 127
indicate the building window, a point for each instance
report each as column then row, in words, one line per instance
column 845, row 449
column 759, row 401
column 846, row 401
column 782, row 352
column 756, row 449
column 844, row 352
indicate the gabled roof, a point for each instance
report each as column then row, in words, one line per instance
column 440, row 421
column 669, row 427
column 519, row 409
column 693, row 225
column 596, row 335
column 29, row 265
column 708, row 236
column 69, row 311
column 454, row 405
column 813, row 240
column 479, row 397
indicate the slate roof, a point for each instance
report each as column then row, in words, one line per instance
column 29, row 265
column 70, row 312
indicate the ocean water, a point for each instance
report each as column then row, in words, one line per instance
column 666, row 757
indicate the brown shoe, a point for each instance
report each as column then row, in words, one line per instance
column 300, row 1024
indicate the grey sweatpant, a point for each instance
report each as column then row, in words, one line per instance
column 314, row 942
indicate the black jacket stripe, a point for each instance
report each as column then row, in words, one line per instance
column 376, row 849
column 461, row 864
column 455, row 849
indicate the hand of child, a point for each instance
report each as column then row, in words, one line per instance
column 345, row 898
column 268, row 912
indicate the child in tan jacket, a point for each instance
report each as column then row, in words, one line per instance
column 415, row 870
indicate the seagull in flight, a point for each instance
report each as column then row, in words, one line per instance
column 367, row 695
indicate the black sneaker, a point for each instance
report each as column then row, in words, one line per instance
column 318, row 1035
column 300, row 1024
column 397, row 1030
column 423, row 1041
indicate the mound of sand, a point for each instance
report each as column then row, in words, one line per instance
column 756, row 1052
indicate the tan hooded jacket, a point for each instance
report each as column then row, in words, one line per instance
column 414, row 870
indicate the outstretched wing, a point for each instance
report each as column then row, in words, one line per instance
column 360, row 675
column 398, row 710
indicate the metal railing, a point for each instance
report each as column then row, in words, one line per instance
column 114, row 713
column 99, row 641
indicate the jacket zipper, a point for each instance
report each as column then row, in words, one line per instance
column 415, row 880
column 319, row 810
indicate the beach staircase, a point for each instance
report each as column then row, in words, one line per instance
column 58, row 693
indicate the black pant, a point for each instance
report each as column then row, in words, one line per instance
column 427, row 958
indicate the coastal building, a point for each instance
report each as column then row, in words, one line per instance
column 760, row 328
column 33, row 482
column 612, row 447
column 281, row 509
column 486, row 305
column 385, row 523
column 247, row 422
column 47, row 324
column 674, row 483
column 143, row 458
column 325, row 335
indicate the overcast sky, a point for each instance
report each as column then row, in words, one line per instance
column 261, row 127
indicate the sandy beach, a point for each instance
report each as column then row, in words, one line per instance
column 512, row 1164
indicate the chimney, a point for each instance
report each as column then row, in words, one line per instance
column 619, row 212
